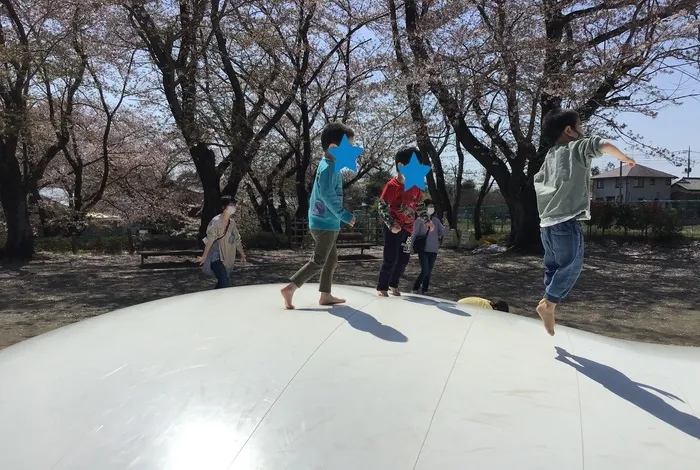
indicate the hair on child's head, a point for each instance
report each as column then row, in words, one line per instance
column 500, row 305
column 428, row 202
column 333, row 133
column 226, row 201
column 556, row 121
column 404, row 155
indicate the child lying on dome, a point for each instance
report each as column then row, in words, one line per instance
column 484, row 303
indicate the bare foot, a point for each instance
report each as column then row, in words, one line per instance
column 382, row 293
column 395, row 291
column 287, row 294
column 546, row 312
column 328, row 299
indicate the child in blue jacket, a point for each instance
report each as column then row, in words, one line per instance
column 325, row 214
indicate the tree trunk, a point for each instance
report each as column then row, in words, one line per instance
column 485, row 188
column 454, row 220
column 524, row 222
column 20, row 240
column 238, row 172
column 43, row 217
column 205, row 164
column 303, row 162
column 260, row 210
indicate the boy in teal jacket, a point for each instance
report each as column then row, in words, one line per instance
column 325, row 214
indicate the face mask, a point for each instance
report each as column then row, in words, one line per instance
column 431, row 210
column 231, row 209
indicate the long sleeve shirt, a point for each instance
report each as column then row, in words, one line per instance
column 563, row 183
column 225, row 238
column 326, row 209
column 397, row 206
column 432, row 239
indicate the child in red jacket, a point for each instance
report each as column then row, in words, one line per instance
column 398, row 209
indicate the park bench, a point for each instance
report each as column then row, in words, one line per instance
column 353, row 240
column 170, row 247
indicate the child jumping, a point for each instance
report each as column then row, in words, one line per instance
column 563, row 199
column 426, row 244
column 325, row 214
column 398, row 210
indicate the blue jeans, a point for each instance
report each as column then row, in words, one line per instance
column 427, row 262
column 221, row 273
column 563, row 258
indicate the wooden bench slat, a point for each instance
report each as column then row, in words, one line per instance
column 168, row 252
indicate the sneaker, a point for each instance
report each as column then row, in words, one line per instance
column 415, row 291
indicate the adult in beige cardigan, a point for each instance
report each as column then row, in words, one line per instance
column 221, row 244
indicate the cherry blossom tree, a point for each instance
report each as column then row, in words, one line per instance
column 43, row 58
column 516, row 60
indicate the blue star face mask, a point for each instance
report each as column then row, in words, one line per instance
column 345, row 155
column 414, row 174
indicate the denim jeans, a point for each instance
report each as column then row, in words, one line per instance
column 427, row 262
column 221, row 273
column 397, row 252
column 563, row 258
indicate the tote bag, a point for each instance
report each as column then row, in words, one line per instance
column 206, row 267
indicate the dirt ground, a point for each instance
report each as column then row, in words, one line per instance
column 629, row 291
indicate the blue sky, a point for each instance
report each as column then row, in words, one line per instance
column 675, row 128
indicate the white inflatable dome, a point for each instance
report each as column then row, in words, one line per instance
column 227, row 379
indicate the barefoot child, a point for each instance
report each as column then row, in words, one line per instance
column 398, row 210
column 563, row 199
column 325, row 214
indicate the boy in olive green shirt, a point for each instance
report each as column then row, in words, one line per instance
column 562, row 186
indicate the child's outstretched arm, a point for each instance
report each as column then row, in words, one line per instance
column 329, row 196
column 611, row 149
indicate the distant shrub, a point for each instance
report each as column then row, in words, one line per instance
column 665, row 225
column 488, row 226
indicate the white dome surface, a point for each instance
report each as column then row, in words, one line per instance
column 227, row 379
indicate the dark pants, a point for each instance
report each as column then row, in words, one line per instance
column 563, row 258
column 221, row 273
column 427, row 262
column 396, row 255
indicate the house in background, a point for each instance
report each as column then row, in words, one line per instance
column 686, row 189
column 636, row 184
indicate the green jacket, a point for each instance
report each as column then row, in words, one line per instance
column 563, row 184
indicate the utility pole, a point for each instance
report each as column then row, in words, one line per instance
column 687, row 170
column 620, row 181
